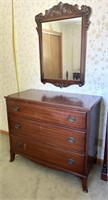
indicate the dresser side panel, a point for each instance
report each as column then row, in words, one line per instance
column 93, row 132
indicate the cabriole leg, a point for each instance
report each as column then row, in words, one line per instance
column 12, row 156
column 84, row 184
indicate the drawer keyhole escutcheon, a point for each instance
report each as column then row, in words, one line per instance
column 19, row 144
column 17, row 126
column 71, row 119
column 71, row 162
column 16, row 108
column 71, row 139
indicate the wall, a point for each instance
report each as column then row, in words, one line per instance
column 96, row 79
column 8, row 82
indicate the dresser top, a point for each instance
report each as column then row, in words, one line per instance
column 80, row 101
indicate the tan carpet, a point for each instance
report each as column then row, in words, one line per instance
column 25, row 180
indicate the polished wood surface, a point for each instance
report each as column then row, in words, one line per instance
column 48, row 114
column 49, row 153
column 47, row 133
column 49, row 98
column 55, row 129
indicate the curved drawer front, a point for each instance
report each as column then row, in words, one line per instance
column 62, row 117
column 56, row 156
column 55, row 135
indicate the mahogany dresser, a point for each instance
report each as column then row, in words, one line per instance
column 57, row 130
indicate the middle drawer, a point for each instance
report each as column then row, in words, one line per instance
column 49, row 134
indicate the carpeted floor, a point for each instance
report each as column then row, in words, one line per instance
column 25, row 180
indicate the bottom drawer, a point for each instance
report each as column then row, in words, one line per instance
column 47, row 153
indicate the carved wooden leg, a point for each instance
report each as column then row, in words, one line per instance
column 12, row 156
column 84, row 184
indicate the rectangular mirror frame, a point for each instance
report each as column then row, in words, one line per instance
column 61, row 12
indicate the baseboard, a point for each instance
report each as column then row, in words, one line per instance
column 99, row 161
column 104, row 176
column 4, row 132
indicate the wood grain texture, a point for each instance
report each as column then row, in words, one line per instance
column 47, row 133
column 49, row 153
column 49, row 114
column 56, row 99
column 55, row 129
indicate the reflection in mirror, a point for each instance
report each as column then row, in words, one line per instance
column 62, row 44
column 62, row 99
column 62, row 48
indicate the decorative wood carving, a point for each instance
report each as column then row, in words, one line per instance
column 64, row 10
column 62, row 84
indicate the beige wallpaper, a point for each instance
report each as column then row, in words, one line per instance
column 96, row 77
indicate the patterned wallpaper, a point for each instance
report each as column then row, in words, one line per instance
column 96, row 77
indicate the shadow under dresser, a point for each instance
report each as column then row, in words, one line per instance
column 57, row 130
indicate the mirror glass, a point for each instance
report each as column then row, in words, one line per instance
column 61, row 41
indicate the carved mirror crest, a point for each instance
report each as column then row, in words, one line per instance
column 62, row 43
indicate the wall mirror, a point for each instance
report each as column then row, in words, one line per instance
column 62, row 44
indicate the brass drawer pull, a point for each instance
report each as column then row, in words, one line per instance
column 71, row 162
column 71, row 119
column 17, row 126
column 19, row 144
column 16, row 108
column 71, row 139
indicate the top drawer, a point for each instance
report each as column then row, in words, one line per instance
column 40, row 112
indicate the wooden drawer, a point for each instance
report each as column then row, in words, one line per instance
column 48, row 153
column 50, row 134
column 62, row 117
